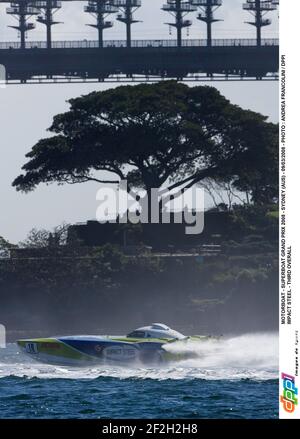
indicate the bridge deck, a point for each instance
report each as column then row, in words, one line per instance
column 92, row 44
column 84, row 60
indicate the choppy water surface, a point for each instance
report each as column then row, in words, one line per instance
column 236, row 378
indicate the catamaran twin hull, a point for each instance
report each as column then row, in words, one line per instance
column 147, row 345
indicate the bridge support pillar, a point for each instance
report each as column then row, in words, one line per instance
column 127, row 8
column 207, row 8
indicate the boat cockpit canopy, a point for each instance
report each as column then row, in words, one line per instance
column 156, row 330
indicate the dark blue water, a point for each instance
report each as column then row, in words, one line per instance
column 108, row 397
column 236, row 378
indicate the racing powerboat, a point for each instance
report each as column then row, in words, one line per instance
column 146, row 345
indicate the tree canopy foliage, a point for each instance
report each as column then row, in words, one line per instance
column 163, row 135
column 40, row 238
column 5, row 246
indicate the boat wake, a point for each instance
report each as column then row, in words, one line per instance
column 250, row 356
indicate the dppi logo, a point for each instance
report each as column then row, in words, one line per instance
column 290, row 391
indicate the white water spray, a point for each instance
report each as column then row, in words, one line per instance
column 251, row 356
column 253, row 351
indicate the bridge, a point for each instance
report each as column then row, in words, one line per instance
column 128, row 60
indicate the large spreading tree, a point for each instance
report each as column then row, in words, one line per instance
column 166, row 135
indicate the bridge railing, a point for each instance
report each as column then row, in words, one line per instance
column 93, row 44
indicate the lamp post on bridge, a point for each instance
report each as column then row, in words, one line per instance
column 22, row 11
column 179, row 9
column 100, row 9
column 127, row 8
column 259, row 8
column 48, row 9
column 207, row 8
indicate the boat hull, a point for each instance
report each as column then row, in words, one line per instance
column 90, row 350
column 84, row 351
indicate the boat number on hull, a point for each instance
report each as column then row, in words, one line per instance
column 31, row 348
column 120, row 353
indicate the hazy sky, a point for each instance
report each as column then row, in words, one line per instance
column 26, row 112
